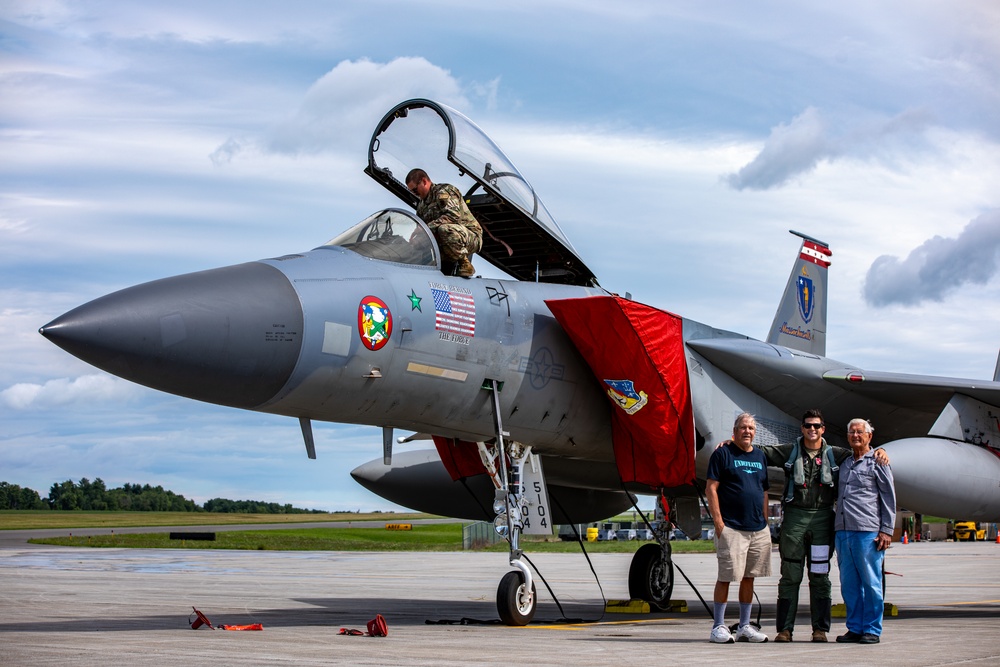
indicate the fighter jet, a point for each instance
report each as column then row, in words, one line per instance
column 548, row 399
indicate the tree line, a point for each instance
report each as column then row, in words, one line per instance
column 95, row 496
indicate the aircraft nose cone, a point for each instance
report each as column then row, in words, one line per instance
column 229, row 336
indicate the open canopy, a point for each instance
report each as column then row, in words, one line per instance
column 520, row 237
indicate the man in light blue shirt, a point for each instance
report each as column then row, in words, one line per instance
column 866, row 516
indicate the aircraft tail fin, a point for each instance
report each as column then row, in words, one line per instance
column 800, row 321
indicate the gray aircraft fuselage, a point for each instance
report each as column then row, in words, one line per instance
column 367, row 330
column 283, row 336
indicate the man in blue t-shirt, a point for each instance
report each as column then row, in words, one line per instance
column 737, row 500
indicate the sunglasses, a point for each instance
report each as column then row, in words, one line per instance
column 811, row 426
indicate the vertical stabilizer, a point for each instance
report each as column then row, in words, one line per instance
column 800, row 322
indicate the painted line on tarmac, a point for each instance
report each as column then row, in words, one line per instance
column 584, row 626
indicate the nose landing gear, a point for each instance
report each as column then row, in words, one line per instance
column 651, row 575
column 515, row 600
column 516, row 597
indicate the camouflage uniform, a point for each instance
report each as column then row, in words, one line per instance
column 456, row 229
column 808, row 523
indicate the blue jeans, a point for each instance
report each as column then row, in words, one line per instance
column 861, row 580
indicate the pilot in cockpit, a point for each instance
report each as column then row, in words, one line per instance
column 457, row 231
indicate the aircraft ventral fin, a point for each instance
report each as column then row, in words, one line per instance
column 970, row 420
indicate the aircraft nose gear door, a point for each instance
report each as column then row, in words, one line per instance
column 506, row 464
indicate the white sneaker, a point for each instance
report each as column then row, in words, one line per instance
column 721, row 635
column 748, row 633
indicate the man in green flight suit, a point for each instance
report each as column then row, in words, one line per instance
column 457, row 231
column 811, row 466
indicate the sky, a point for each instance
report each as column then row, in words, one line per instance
column 675, row 143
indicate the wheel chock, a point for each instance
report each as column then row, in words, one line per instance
column 626, row 607
column 642, row 607
column 840, row 610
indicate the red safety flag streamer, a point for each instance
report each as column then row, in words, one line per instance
column 376, row 628
column 637, row 353
column 200, row 619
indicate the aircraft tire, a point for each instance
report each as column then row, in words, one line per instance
column 651, row 576
column 512, row 606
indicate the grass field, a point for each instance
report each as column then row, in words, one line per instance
column 434, row 537
column 39, row 519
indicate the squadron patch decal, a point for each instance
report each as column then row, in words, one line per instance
column 623, row 393
column 374, row 322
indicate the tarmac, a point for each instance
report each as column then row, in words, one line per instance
column 62, row 605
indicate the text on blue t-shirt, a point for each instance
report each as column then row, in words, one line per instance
column 742, row 478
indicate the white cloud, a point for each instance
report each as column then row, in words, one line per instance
column 938, row 267
column 791, row 150
column 796, row 148
column 190, row 21
column 623, row 116
column 340, row 110
column 86, row 389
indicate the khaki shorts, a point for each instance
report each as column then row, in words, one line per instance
column 743, row 554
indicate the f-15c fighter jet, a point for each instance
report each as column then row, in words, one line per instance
column 548, row 399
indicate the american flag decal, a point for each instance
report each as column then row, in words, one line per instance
column 816, row 253
column 455, row 312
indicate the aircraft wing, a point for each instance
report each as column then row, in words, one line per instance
column 918, row 392
column 900, row 405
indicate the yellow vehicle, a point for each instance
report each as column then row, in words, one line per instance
column 969, row 530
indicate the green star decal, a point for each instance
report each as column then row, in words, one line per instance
column 414, row 301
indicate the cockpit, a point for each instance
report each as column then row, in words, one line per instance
column 392, row 235
column 519, row 236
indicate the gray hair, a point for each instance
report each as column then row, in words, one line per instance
column 744, row 416
column 858, row 420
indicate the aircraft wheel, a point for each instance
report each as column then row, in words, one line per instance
column 515, row 603
column 651, row 576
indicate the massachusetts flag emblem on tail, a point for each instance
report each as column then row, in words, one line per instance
column 455, row 312
column 806, row 295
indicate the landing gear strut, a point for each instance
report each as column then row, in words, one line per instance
column 516, row 597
